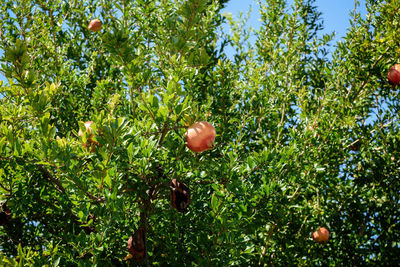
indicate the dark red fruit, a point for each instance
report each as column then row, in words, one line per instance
column 179, row 195
column 136, row 244
column 5, row 214
column 356, row 146
column 394, row 75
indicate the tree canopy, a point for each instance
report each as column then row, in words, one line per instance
column 94, row 165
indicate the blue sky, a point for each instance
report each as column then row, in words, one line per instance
column 335, row 13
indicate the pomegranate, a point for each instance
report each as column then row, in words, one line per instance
column 179, row 195
column 394, row 75
column 137, row 244
column 356, row 146
column 321, row 235
column 200, row 136
column 95, row 25
column 5, row 214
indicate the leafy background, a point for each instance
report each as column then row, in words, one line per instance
column 305, row 138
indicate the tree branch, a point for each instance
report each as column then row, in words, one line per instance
column 46, row 174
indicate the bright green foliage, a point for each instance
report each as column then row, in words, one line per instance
column 304, row 138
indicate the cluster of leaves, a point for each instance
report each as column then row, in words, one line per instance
column 304, row 138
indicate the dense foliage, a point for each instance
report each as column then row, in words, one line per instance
column 305, row 137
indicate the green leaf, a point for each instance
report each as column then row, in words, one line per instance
column 215, row 203
column 155, row 104
column 107, row 179
column 81, row 215
column 2, row 143
column 57, row 262
column 130, row 152
column 171, row 86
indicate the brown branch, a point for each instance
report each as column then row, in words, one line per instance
column 294, row 194
column 266, row 243
column 301, row 227
column 58, row 185
column 144, row 216
column 256, row 168
column 109, row 155
column 97, row 199
column 161, row 131
column 46, row 174
column 88, row 194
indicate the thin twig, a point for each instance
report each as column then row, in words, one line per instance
column 266, row 243
column 294, row 194
column 301, row 227
column 46, row 174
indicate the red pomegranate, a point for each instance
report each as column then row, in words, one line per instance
column 136, row 244
column 321, row 235
column 179, row 195
column 200, row 136
column 394, row 75
column 95, row 25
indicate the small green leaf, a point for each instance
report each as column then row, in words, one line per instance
column 171, row 86
column 107, row 179
column 215, row 203
column 57, row 262
column 130, row 152
column 81, row 215
column 155, row 102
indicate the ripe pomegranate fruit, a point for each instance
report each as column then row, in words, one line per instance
column 321, row 235
column 394, row 75
column 95, row 25
column 179, row 195
column 200, row 136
